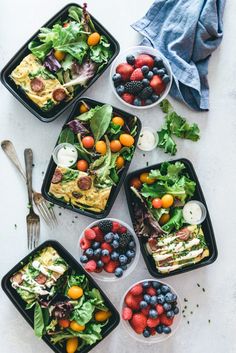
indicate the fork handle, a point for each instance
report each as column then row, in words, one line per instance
column 10, row 151
column 28, row 153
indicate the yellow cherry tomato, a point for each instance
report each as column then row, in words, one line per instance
column 59, row 55
column 115, row 146
column 102, row 315
column 164, row 219
column 101, row 147
column 76, row 327
column 72, row 345
column 118, row 120
column 167, row 201
column 144, row 177
column 75, row 292
column 120, row 162
column 83, row 108
column 126, row 140
column 93, row 39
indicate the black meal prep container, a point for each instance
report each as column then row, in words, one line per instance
column 29, row 314
column 115, row 189
column 48, row 116
column 206, row 225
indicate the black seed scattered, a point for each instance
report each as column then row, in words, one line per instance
column 183, row 311
column 185, row 307
column 209, row 321
column 197, row 305
column 191, row 312
column 76, row 216
column 144, row 154
column 188, row 322
column 42, row 172
column 203, row 289
column 15, row 226
column 198, row 284
column 59, row 214
column 184, row 315
column 147, row 164
column 185, row 299
column 73, row 221
column 33, row 165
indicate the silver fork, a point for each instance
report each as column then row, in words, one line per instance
column 32, row 219
column 43, row 206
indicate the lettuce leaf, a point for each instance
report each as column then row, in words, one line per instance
column 40, row 50
column 101, row 52
column 176, row 221
column 83, row 314
column 96, row 299
column 166, row 142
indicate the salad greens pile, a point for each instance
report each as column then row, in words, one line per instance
column 177, row 126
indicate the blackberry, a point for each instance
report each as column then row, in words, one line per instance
column 125, row 239
column 146, row 92
column 133, row 87
column 105, row 226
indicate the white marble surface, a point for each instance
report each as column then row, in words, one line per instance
column 213, row 157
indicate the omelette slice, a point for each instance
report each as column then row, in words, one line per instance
column 78, row 188
column 42, row 87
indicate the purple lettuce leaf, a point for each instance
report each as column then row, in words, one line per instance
column 51, row 62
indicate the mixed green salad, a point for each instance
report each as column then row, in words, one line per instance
column 66, row 307
column 62, row 58
column 159, row 197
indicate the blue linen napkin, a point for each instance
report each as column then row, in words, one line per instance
column 186, row 32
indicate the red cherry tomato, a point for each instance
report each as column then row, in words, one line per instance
column 88, row 141
column 157, row 203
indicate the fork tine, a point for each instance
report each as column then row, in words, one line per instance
column 28, row 235
column 53, row 216
column 43, row 213
column 47, row 213
column 37, row 233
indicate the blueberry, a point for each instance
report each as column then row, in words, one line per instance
column 118, row 272
column 158, row 291
column 146, row 284
column 115, row 244
column 156, row 284
column 132, row 244
column 145, row 82
column 153, row 314
column 100, row 263
column 158, row 63
column 154, row 97
column 160, row 299
column 89, row 252
column 153, row 300
column 95, row 245
column 147, row 298
column 83, row 259
column 130, row 59
column 130, row 254
column 123, row 259
column 164, row 289
column 146, row 333
column 166, row 329
column 105, row 252
column 159, row 329
column 116, row 78
column 166, row 79
column 155, row 70
column 120, row 89
column 116, row 236
column 137, row 102
column 145, row 69
column 176, row 310
column 109, row 237
column 143, row 304
column 167, row 306
column 124, row 267
column 148, row 101
column 149, row 75
column 169, row 298
column 161, row 72
column 170, row 314
column 174, row 297
column 114, row 255
column 97, row 253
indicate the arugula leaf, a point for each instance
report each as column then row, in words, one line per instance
column 83, row 314
column 96, row 299
column 179, row 127
column 76, row 13
column 66, row 136
column 100, row 121
column 77, row 280
column 166, row 107
column 69, row 175
column 127, row 153
column 38, row 320
column 92, row 333
column 176, row 221
column 166, row 142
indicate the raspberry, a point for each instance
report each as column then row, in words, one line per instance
column 89, row 234
column 115, row 227
column 136, row 290
column 99, row 234
column 106, row 246
column 133, row 301
column 127, row 313
column 153, row 322
column 105, row 259
column 85, row 243
column 138, row 322
column 90, row 266
column 159, row 309
column 166, row 320
column 128, row 97
column 137, row 75
column 111, row 266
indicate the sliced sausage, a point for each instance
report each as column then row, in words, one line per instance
column 84, row 183
column 18, row 278
column 183, row 234
column 57, row 176
column 37, row 84
column 41, row 278
column 59, row 94
column 76, row 194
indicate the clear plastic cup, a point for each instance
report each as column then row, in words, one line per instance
column 136, row 50
column 110, row 277
column 203, row 212
column 56, row 150
column 148, row 148
column 157, row 337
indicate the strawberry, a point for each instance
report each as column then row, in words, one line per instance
column 151, row 291
column 99, row 234
column 166, row 320
column 137, row 75
column 136, row 290
column 111, row 266
column 122, row 230
column 138, row 322
column 106, row 246
column 133, row 301
column 127, row 313
column 128, row 97
column 144, row 59
column 115, row 227
column 90, row 266
column 125, row 70
column 145, row 311
column 105, row 259
column 153, row 322
column 85, row 243
column 89, row 234
column 159, row 309
column 157, row 84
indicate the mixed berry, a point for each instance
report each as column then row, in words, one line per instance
column 141, row 80
column 150, row 308
column 108, row 246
